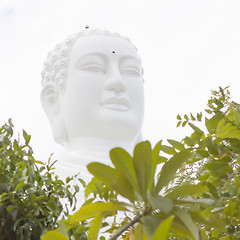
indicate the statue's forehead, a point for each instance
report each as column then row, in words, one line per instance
column 103, row 44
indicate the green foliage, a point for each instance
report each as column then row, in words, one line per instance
column 30, row 195
column 162, row 231
column 196, row 193
column 187, row 189
column 156, row 210
column 170, row 168
column 54, row 235
column 94, row 209
column 216, row 166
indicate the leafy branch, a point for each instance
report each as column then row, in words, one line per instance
column 128, row 225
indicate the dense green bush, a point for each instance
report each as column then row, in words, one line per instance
column 30, row 195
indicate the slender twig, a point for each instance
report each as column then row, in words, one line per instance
column 125, row 227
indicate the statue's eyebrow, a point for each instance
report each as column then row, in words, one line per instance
column 129, row 57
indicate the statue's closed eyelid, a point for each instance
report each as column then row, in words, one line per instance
column 131, row 70
column 93, row 67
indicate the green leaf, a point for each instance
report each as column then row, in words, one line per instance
column 187, row 190
column 62, row 227
column 161, row 159
column 176, row 144
column 211, row 146
column 179, row 117
column 113, row 178
column 199, row 219
column 180, row 230
column 227, row 130
column 212, row 189
column 235, row 145
column 14, row 213
column 122, row 186
column 39, row 162
column 155, row 161
column 208, row 111
column 142, row 161
column 192, row 117
column 234, row 114
column 10, row 122
column 155, row 155
column 212, row 123
column 53, row 235
column 202, row 153
column 94, row 209
column 188, row 222
column 26, row 137
column 189, row 141
column 139, row 233
column 10, row 208
column 124, row 163
column 151, row 223
column 238, row 160
column 199, row 117
column 218, row 168
column 231, row 237
column 162, row 203
column 170, row 168
column 168, row 150
column 17, row 223
column 95, row 227
column 194, row 201
column 197, row 130
column 20, row 185
column 162, row 231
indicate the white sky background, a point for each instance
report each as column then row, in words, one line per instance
column 188, row 48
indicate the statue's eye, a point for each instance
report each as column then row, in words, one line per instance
column 93, row 68
column 131, row 71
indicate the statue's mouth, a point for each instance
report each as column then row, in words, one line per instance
column 114, row 103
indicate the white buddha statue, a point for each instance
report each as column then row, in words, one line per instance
column 92, row 93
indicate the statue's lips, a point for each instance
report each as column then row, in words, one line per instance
column 121, row 104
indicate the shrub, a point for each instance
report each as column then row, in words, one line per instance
column 30, row 194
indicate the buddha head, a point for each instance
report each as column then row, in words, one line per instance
column 92, row 87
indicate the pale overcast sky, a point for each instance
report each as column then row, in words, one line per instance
column 188, row 48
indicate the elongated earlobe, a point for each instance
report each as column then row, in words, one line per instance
column 50, row 104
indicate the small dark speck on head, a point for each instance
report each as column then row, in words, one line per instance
column 113, row 51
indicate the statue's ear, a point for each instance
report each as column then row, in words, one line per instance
column 49, row 100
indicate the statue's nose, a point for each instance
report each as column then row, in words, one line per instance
column 115, row 82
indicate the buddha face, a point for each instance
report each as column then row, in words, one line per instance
column 104, row 91
column 103, row 96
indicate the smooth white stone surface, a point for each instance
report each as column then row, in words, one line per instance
column 93, row 97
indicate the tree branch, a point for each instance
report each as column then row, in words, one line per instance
column 125, row 227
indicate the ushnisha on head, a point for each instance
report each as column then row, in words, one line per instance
column 92, row 87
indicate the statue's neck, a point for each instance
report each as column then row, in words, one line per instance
column 96, row 146
column 82, row 151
